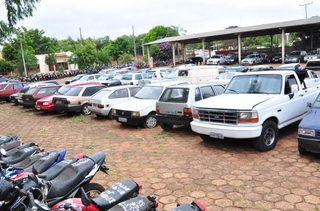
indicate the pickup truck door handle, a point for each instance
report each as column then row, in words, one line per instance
column 279, row 110
column 306, row 91
column 300, row 95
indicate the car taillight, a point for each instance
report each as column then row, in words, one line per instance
column 157, row 204
column 187, row 112
column 157, row 110
column 200, row 206
column 100, row 106
column 131, row 83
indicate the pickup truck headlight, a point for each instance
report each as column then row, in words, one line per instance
column 135, row 113
column 306, row 132
column 114, row 111
column 195, row 114
column 248, row 117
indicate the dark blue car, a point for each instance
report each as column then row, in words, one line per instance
column 113, row 82
column 309, row 130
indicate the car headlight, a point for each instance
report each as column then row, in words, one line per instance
column 135, row 113
column 306, row 132
column 114, row 111
column 248, row 117
column 46, row 103
column 195, row 113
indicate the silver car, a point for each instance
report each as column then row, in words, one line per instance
column 174, row 107
column 252, row 59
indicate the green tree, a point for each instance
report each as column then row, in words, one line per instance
column 9, row 52
column 6, row 66
column 102, row 42
column 86, row 55
column 17, row 10
column 118, row 47
column 126, row 58
column 40, row 43
column 51, row 60
column 61, row 69
column 103, row 57
column 179, row 30
column 67, row 44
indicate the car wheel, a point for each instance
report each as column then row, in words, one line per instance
column 150, row 121
column 85, row 110
column 268, row 138
column 110, row 115
column 165, row 126
column 206, row 138
column 302, row 150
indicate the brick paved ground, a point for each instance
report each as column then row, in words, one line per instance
column 179, row 167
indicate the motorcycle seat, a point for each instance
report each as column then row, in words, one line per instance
column 70, row 178
column 14, row 150
column 44, row 163
column 115, row 194
column 11, row 145
column 30, row 160
column 134, row 204
column 19, row 155
column 57, row 169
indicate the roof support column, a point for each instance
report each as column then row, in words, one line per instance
column 239, row 49
column 203, row 53
column 149, row 58
column 271, row 42
column 173, row 54
column 283, row 44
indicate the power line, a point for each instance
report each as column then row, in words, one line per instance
column 305, row 7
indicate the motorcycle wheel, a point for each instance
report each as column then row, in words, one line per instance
column 93, row 189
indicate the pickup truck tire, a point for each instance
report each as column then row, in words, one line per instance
column 302, row 150
column 165, row 126
column 268, row 138
column 150, row 121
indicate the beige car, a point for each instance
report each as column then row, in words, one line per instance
column 76, row 99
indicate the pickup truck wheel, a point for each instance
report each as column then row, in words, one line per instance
column 302, row 150
column 150, row 121
column 165, row 126
column 268, row 138
column 85, row 110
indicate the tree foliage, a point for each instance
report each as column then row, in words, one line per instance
column 126, row 58
column 51, row 59
column 6, row 66
column 30, row 60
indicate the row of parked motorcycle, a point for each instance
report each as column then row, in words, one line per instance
column 37, row 180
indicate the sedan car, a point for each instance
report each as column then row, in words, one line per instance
column 76, row 99
column 116, row 81
column 194, row 60
column 93, row 77
column 295, row 57
column 30, row 98
column 252, row 59
column 309, row 130
column 217, row 59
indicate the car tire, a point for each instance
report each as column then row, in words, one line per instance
column 85, row 110
column 150, row 121
column 268, row 138
column 302, row 150
column 165, row 126
column 206, row 138
column 110, row 115
column 93, row 188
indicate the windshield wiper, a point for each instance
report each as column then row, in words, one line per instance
column 232, row 90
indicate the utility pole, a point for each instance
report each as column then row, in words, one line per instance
column 80, row 35
column 305, row 7
column 142, row 47
column 134, row 46
column 23, row 59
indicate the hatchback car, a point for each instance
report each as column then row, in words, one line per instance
column 174, row 107
column 33, row 85
column 11, row 88
column 76, row 99
column 131, row 78
column 93, row 77
column 30, row 98
column 115, row 81
column 217, row 59
column 103, row 101
column 76, row 78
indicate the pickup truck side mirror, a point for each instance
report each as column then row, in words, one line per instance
column 294, row 88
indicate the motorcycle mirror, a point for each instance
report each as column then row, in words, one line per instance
column 84, row 198
column 3, row 151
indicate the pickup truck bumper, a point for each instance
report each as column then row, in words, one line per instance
column 230, row 131
column 311, row 144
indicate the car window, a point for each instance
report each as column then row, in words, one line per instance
column 18, row 86
column 91, row 77
column 121, row 93
column 197, row 95
column 207, row 91
column 74, row 91
column 134, row 90
column 127, row 77
column 219, row 89
column 91, row 91
column 183, row 73
column 42, row 91
column 175, row 95
column 31, row 91
column 97, row 76
column 138, row 77
column 314, row 75
column 290, row 80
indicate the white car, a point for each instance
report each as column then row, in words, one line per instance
column 103, row 101
column 223, row 78
column 313, row 54
column 217, row 59
column 132, row 78
column 252, row 59
column 93, row 77
column 291, row 66
column 141, row 109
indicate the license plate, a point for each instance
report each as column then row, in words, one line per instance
column 38, row 109
column 27, row 99
column 216, row 135
column 170, row 112
column 58, row 102
column 121, row 119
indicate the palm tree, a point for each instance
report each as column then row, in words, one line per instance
column 181, row 31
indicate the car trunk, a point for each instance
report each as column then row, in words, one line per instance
column 176, row 109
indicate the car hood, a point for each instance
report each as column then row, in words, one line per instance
column 233, row 101
column 48, row 98
column 135, row 104
column 311, row 119
column 111, row 81
column 214, row 59
column 249, row 59
column 293, row 57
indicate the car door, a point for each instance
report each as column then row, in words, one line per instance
column 295, row 102
column 207, row 92
column 118, row 96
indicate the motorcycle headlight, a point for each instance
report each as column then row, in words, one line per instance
column 306, row 132
column 248, row 117
column 46, row 103
column 135, row 113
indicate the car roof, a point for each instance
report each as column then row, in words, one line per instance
column 121, row 87
column 192, row 85
column 313, row 60
column 88, row 85
column 168, row 83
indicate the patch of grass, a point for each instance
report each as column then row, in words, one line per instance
column 90, row 147
column 140, row 138
column 162, row 145
column 163, row 135
column 78, row 119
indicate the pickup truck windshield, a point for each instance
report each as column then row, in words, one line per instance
column 255, row 84
column 149, row 92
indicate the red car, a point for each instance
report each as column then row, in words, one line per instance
column 45, row 104
column 30, row 98
column 9, row 89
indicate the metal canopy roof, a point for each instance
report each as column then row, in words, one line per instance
column 303, row 25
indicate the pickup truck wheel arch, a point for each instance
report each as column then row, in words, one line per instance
column 268, row 138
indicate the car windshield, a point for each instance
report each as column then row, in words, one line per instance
column 255, row 84
column 250, row 56
column 171, row 75
column 294, row 53
column 127, row 77
column 149, row 92
column 84, row 78
column 225, row 76
column 313, row 64
column 316, row 103
column 231, row 70
column 31, row 91
column 118, row 77
column 104, row 77
column 77, row 77
column 74, row 91
column 2, row 86
column 313, row 52
column 100, row 94
column 63, row 90
column 175, row 95
column 215, row 57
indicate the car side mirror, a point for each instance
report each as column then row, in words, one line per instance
column 294, row 88
column 309, row 104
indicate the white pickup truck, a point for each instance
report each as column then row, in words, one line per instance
column 255, row 105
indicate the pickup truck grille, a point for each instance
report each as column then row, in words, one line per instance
column 318, row 133
column 219, row 116
column 123, row 113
